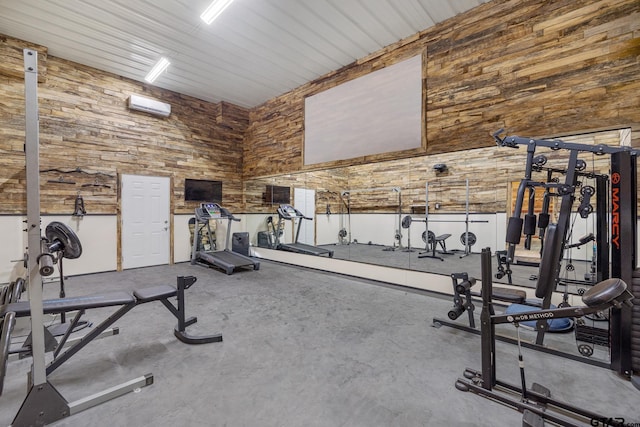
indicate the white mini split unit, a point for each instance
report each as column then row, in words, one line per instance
column 151, row 106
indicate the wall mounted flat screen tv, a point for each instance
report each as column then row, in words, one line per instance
column 276, row 195
column 201, row 190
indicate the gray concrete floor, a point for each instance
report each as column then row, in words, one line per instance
column 301, row 348
column 455, row 262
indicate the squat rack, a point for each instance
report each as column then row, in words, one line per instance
column 467, row 237
column 43, row 400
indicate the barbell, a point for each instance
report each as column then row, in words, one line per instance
column 467, row 238
column 407, row 220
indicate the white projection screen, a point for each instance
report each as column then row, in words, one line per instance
column 373, row 114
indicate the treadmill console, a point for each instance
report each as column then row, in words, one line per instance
column 288, row 212
column 211, row 210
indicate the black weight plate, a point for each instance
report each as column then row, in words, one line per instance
column 406, row 221
column 472, row 238
column 71, row 246
column 432, row 236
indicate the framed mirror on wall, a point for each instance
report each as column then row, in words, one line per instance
column 360, row 209
column 360, row 213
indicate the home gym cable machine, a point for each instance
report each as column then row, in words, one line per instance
column 599, row 268
column 614, row 293
column 625, row 340
column 588, row 335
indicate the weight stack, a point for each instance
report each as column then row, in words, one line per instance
column 635, row 322
column 240, row 243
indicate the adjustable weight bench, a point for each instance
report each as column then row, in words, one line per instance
column 123, row 299
column 432, row 243
column 30, row 412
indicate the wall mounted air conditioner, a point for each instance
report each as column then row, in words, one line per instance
column 151, row 106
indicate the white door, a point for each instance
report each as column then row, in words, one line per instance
column 145, row 221
column 305, row 202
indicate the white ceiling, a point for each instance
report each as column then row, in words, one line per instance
column 256, row 50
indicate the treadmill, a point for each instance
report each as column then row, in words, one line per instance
column 288, row 212
column 225, row 259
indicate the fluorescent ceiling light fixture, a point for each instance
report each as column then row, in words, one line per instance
column 214, row 10
column 157, row 69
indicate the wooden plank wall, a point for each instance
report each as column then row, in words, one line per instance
column 534, row 68
column 88, row 137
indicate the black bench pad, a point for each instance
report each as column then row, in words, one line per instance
column 62, row 305
column 442, row 237
column 154, row 293
column 509, row 295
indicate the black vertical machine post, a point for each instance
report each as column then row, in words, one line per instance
column 623, row 229
column 625, row 335
column 602, row 230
